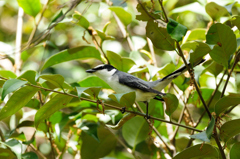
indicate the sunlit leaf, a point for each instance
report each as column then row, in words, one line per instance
column 215, row 11
column 196, row 34
column 201, row 50
column 159, row 36
column 6, row 153
column 124, row 16
column 56, row 80
column 194, row 7
column 137, row 58
column 29, row 75
column 125, row 99
column 229, row 129
column 224, row 41
column 104, row 36
column 176, row 30
column 31, row 7
column 11, row 85
column 199, row 151
column 121, row 63
column 56, row 103
column 81, row 20
column 135, row 130
column 171, row 103
column 93, row 81
column 7, row 74
column 81, row 52
column 18, row 100
column 225, row 103
column 91, row 148
column 92, row 91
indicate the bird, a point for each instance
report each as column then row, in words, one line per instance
column 122, row 82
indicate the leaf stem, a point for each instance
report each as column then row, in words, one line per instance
column 164, row 12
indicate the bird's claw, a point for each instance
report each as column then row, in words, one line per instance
column 123, row 110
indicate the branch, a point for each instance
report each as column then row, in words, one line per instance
column 229, row 74
column 194, row 81
column 110, row 106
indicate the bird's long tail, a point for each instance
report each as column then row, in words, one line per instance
column 161, row 83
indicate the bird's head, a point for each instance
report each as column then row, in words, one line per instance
column 103, row 71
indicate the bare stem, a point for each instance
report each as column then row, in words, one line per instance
column 230, row 73
column 194, row 81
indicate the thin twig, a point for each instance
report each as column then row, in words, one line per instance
column 155, row 130
column 36, row 25
column 194, row 81
column 230, row 73
column 111, row 106
column 164, row 12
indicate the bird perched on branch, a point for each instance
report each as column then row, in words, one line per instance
column 122, row 82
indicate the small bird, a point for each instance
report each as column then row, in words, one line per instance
column 122, row 82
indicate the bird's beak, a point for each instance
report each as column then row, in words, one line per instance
column 90, row 71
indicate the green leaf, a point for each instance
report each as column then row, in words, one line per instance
column 171, row 103
column 135, row 131
column 137, row 58
column 176, row 30
column 124, row 16
column 229, row 7
column 196, row 34
column 56, row 80
column 56, row 103
column 18, row 100
column 229, row 129
column 31, row 7
column 205, row 135
column 216, row 11
column 224, row 41
column 92, row 91
column 91, row 148
column 33, row 103
column 104, row 36
column 199, row 151
column 144, row 16
column 234, row 152
column 201, row 50
column 6, row 153
column 29, row 75
column 214, row 68
column 159, row 36
column 225, row 103
column 81, row 20
column 81, row 52
column 7, row 74
column 90, row 128
column 93, row 81
column 125, row 99
column 56, row 18
column 11, row 85
column 121, row 63
column 15, row 146
column 29, row 155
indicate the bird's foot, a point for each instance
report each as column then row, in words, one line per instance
column 123, row 110
column 147, row 116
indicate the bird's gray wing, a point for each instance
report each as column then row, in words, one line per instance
column 134, row 82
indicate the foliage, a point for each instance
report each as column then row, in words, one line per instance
column 51, row 108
